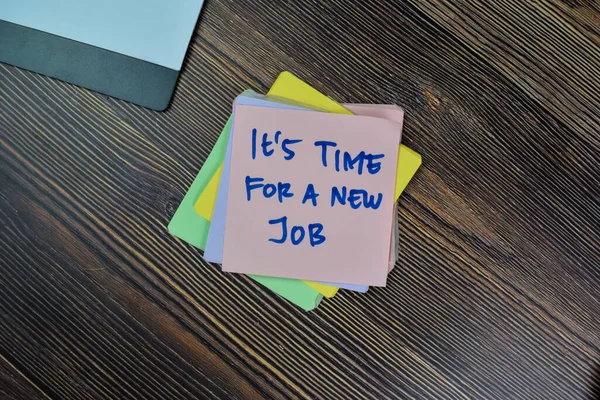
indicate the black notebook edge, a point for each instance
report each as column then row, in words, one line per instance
column 104, row 71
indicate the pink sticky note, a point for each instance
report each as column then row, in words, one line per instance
column 345, row 236
column 387, row 111
column 393, row 113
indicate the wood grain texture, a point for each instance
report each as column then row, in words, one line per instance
column 13, row 385
column 497, row 291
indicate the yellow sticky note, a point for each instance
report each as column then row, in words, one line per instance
column 409, row 162
column 205, row 204
column 290, row 87
column 325, row 290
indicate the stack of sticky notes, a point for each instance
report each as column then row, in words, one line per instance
column 300, row 193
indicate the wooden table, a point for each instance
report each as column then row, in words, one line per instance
column 497, row 291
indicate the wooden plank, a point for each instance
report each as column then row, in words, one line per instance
column 15, row 386
column 496, row 294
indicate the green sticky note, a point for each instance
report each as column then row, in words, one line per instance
column 188, row 225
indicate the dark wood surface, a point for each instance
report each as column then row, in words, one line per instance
column 497, row 291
